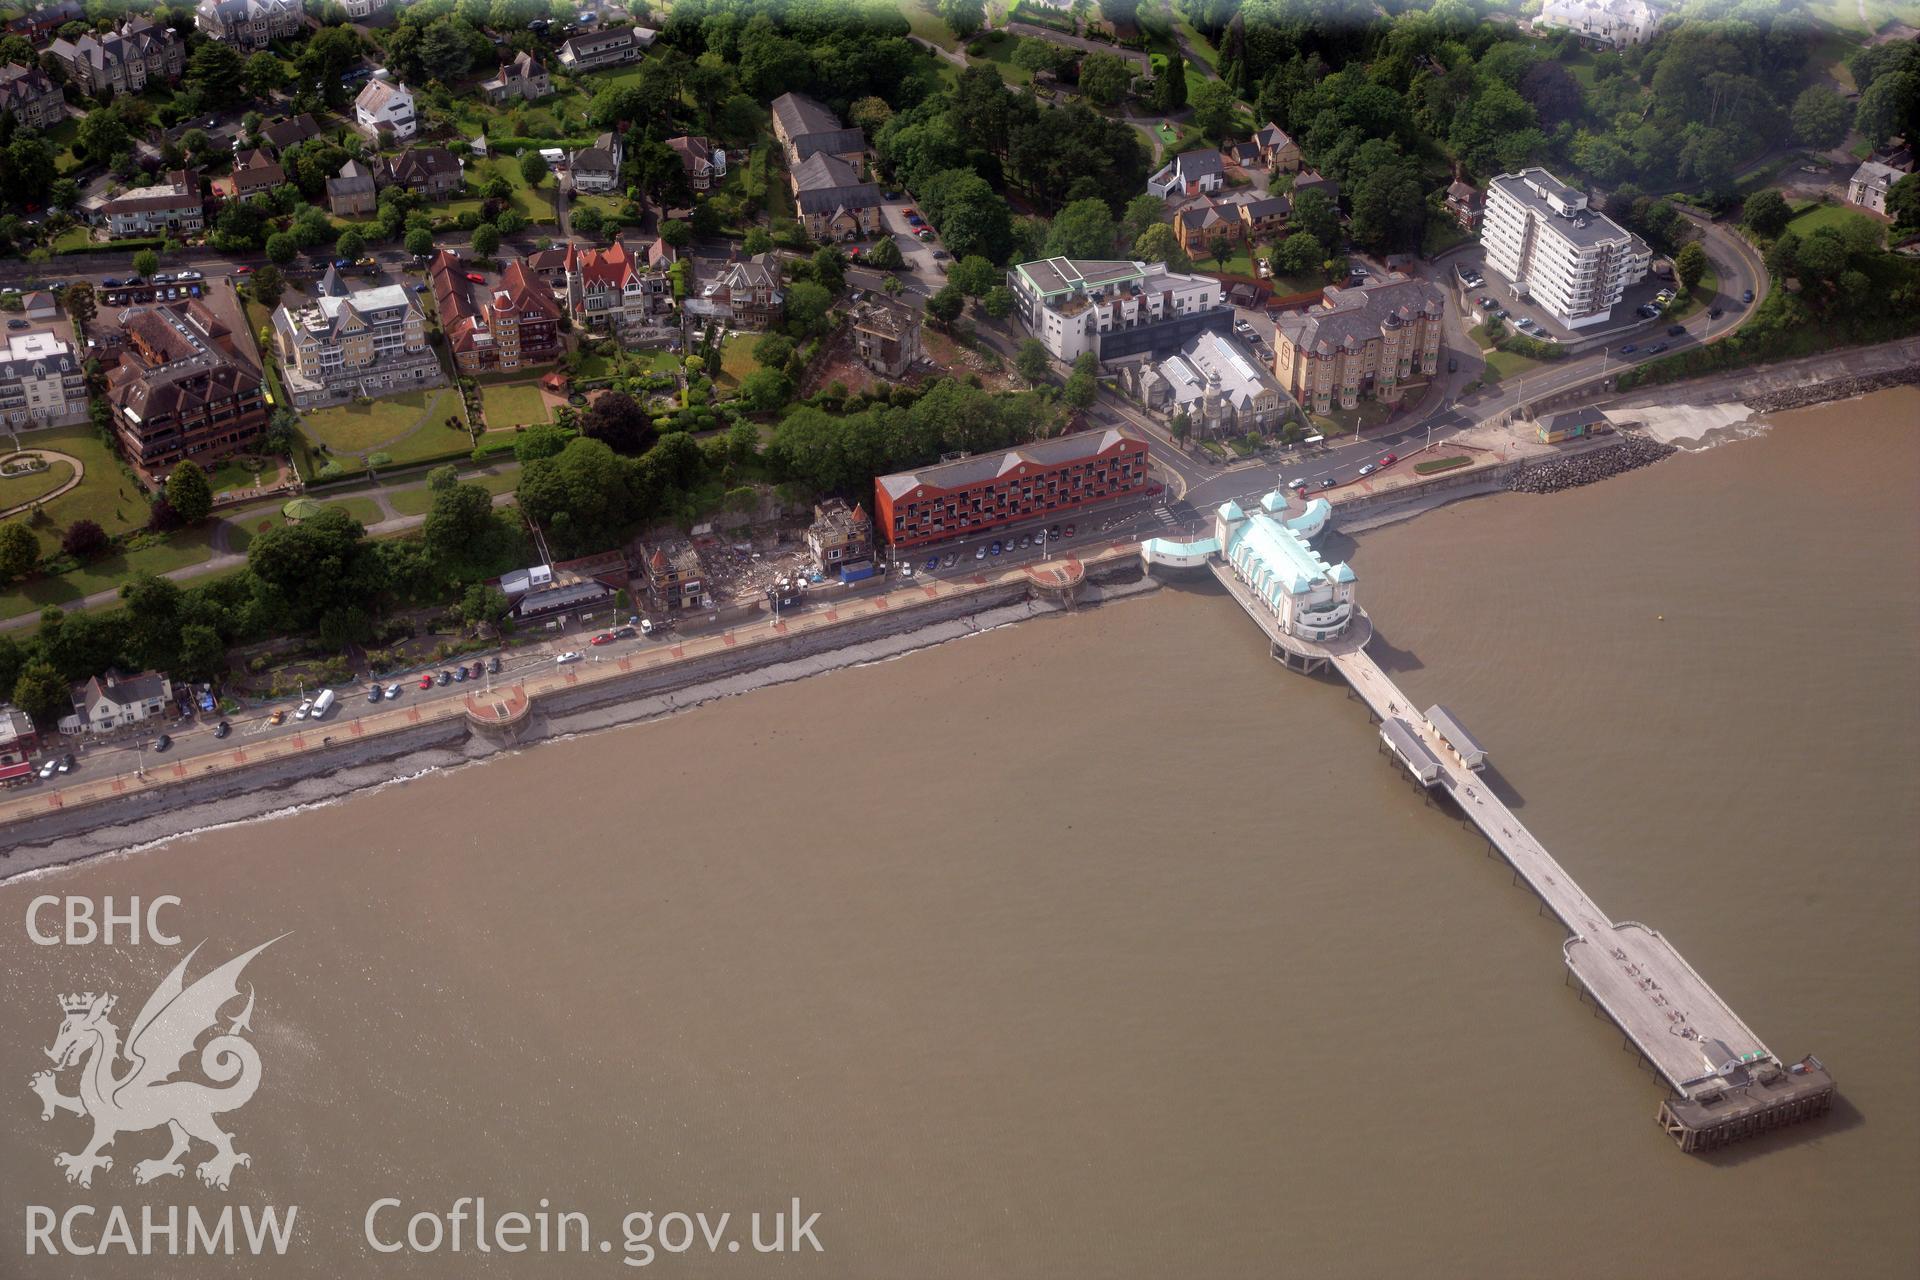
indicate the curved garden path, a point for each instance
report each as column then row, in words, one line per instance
column 51, row 455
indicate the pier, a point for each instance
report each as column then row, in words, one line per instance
column 1727, row 1085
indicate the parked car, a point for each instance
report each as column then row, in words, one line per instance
column 939, row 255
column 1369, row 469
column 16, row 324
column 569, row 656
column 1629, row 349
column 1389, row 459
column 926, row 233
column 48, row 769
column 426, row 682
column 68, row 763
column 906, row 569
column 1675, row 330
column 222, row 729
column 393, row 691
column 1070, row 530
column 1714, row 313
column 306, row 709
column 994, row 549
column 1656, row 348
column 933, row 562
column 445, row 679
column 278, row 717
column 493, row 664
column 949, row 560
column 162, row 742
column 605, row 637
column 1297, row 483
column 477, row 670
column 1053, row 531
column 979, row 553
column 646, row 626
column 460, row 674
column 375, row 693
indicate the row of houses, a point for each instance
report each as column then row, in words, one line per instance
column 433, row 173
column 494, row 325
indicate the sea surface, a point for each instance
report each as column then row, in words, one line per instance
column 1101, row 945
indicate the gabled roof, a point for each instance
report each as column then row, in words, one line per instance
column 282, row 134
column 424, row 164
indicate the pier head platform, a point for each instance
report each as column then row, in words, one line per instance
column 1727, row 1085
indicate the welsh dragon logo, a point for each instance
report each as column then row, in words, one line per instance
column 147, row 1095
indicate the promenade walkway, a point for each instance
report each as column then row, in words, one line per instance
column 350, row 724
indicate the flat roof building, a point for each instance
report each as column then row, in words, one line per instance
column 1114, row 307
column 1541, row 235
column 989, row 490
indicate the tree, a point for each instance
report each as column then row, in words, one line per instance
column 757, row 241
column 145, row 263
column 998, row 302
column 1390, row 207
column 189, row 493
column 483, row 604
column 963, row 17
column 42, row 692
column 773, row 350
column 533, row 168
column 1158, row 243
column 765, row 390
column 263, row 74
column 1298, row 255
column 885, row 255
column 541, row 440
column 19, row 551
column 486, row 240
column 81, row 302
column 1767, row 212
column 1031, row 361
column 446, row 50
column 1821, row 117
column 973, row 275
column 1690, row 264
column 419, row 242
column 1213, row 108
column 1180, row 426
column 1221, row 249
column 281, row 247
column 945, row 306
column 1143, row 211
column 1170, row 86
column 1105, row 78
column 620, row 421
column 267, row 285
column 807, row 307
column 1890, row 106
column 459, row 518
column 1084, row 229
column 1081, row 383
column 1315, row 214
column 971, row 216
column 218, row 72
column 1903, row 202
column 678, row 234
column 101, row 136
column 351, row 245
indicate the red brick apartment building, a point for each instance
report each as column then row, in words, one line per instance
column 974, row 495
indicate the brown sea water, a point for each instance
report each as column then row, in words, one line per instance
column 1103, row 946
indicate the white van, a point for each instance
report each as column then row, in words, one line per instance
column 323, row 703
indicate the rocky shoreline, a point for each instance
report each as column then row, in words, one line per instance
column 1838, row 389
column 1557, row 474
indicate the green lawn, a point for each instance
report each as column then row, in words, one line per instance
column 736, row 358
column 514, row 404
column 1240, row 264
column 418, row 500
column 186, row 547
column 1698, row 298
column 15, row 490
column 379, row 425
column 1505, row 364
column 1827, row 215
column 537, row 206
column 249, row 524
column 106, row 497
column 239, row 472
column 922, row 21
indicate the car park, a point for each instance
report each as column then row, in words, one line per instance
column 569, row 656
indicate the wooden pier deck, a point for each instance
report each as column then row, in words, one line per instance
column 1659, row 1001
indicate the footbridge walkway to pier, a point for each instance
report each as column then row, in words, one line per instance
column 1727, row 1084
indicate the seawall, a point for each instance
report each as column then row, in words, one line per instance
column 140, row 814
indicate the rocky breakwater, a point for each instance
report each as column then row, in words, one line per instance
column 1837, row 389
column 1556, row 474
